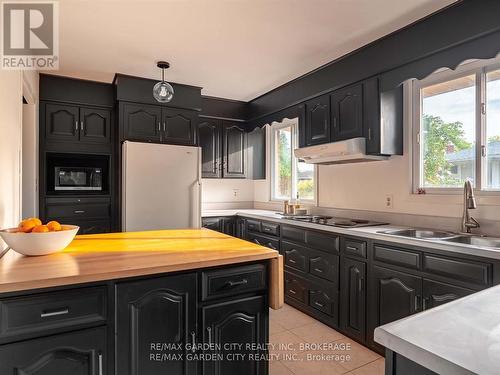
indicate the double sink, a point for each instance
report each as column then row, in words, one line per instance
column 431, row 235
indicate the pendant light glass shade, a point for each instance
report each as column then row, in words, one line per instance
column 163, row 91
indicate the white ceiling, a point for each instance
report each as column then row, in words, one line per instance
column 234, row 49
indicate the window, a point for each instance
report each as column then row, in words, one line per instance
column 457, row 129
column 289, row 177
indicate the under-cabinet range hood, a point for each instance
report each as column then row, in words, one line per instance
column 342, row 152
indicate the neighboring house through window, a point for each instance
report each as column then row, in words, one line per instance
column 290, row 178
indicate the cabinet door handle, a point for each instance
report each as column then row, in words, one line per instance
column 416, row 303
column 193, row 340
column 164, row 126
column 369, row 134
column 81, row 125
column 293, row 261
column 76, row 125
column 100, row 363
column 424, row 303
column 318, row 304
column 209, row 334
column 79, row 211
column 335, row 122
column 271, row 246
column 360, row 284
column 232, row 284
column 291, row 291
column 159, row 126
column 319, row 270
column 47, row 314
column 257, row 241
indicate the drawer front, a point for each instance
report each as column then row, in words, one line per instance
column 295, row 287
column 271, row 229
column 272, row 243
column 324, row 265
column 459, row 269
column 293, row 234
column 233, row 281
column 324, row 300
column 398, row 257
column 355, row 248
column 323, row 241
column 295, row 256
column 253, row 225
column 78, row 210
column 30, row 316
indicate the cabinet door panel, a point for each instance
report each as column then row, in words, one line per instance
column 61, row 122
column 75, row 353
column 244, row 322
column 234, row 150
column 317, row 128
column 209, row 132
column 347, row 113
column 436, row 293
column 95, row 125
column 353, row 297
column 214, row 223
column 160, row 310
column 141, row 122
column 179, row 126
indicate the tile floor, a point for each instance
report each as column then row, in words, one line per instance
column 339, row 355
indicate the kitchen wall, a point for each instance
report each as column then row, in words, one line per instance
column 227, row 193
column 10, row 147
column 361, row 190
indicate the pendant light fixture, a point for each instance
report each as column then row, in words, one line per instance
column 163, row 91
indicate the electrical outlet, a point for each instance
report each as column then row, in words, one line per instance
column 235, row 192
column 389, row 200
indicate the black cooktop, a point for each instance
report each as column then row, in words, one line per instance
column 334, row 221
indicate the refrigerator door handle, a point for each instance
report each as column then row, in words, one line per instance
column 195, row 205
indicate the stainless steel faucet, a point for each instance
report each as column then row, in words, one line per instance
column 468, row 222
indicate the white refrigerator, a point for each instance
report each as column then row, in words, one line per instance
column 161, row 186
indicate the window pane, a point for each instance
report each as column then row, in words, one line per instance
column 493, row 129
column 283, row 163
column 305, row 180
column 448, row 132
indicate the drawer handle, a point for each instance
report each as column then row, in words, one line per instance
column 318, row 304
column 352, row 248
column 232, row 284
column 292, row 291
column 318, row 270
column 193, row 339
column 257, row 241
column 269, row 244
column 79, row 211
column 47, row 314
column 293, row 261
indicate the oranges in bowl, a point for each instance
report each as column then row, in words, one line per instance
column 32, row 237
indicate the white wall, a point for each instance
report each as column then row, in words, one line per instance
column 223, row 191
column 10, row 147
column 365, row 186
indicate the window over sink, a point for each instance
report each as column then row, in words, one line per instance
column 290, row 178
column 457, row 128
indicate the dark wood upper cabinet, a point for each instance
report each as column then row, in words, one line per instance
column 179, row 126
column 347, row 113
column 209, row 133
column 95, row 125
column 353, row 298
column 371, row 116
column 76, row 353
column 141, row 122
column 161, row 310
column 317, row 126
column 235, row 322
column 234, row 147
column 61, row 122
column 436, row 293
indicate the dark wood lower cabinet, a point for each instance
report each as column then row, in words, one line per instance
column 75, row 353
column 353, row 298
column 156, row 311
column 231, row 323
column 226, row 225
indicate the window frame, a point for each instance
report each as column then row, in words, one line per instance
column 274, row 128
column 480, row 70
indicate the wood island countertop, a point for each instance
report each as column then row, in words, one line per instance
column 112, row 256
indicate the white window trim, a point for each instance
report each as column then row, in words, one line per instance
column 275, row 126
column 479, row 68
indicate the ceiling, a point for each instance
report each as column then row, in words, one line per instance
column 236, row 49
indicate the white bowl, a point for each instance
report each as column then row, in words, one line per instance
column 34, row 244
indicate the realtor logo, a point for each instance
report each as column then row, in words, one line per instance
column 30, row 35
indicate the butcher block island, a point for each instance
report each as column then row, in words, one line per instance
column 173, row 301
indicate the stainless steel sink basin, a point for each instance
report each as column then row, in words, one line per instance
column 476, row 241
column 421, row 234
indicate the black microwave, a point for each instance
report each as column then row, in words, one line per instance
column 78, row 178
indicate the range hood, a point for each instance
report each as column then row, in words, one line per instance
column 342, row 152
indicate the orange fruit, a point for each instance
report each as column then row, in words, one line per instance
column 27, row 225
column 40, row 229
column 36, row 220
column 54, row 226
